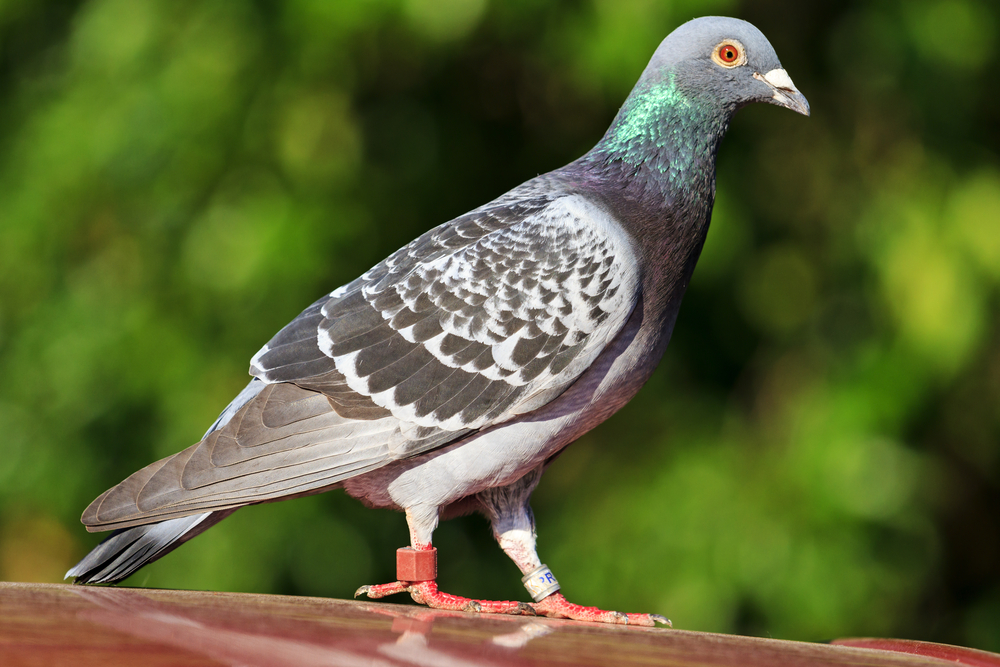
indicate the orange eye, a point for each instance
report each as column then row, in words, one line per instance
column 729, row 54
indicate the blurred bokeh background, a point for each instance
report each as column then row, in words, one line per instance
column 817, row 455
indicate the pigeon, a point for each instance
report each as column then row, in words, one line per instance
column 445, row 379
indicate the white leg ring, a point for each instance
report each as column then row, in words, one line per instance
column 540, row 583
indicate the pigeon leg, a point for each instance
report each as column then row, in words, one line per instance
column 514, row 529
column 416, row 571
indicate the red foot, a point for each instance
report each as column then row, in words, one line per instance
column 426, row 592
column 377, row 591
column 556, row 606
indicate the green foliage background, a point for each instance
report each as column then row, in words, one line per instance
column 817, row 455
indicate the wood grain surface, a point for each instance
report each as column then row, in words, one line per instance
column 48, row 624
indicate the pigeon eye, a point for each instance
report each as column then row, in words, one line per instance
column 729, row 53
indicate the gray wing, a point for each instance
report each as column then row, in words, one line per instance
column 475, row 322
column 466, row 328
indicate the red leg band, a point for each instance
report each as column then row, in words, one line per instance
column 416, row 564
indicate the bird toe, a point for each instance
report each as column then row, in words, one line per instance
column 381, row 590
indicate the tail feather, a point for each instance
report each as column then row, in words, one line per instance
column 129, row 549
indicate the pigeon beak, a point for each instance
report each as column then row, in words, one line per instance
column 785, row 92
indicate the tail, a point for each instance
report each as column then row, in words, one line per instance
column 126, row 550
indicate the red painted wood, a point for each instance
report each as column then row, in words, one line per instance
column 47, row 624
column 954, row 654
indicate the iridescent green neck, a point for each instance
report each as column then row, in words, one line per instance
column 637, row 125
column 665, row 130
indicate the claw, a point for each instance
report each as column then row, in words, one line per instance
column 525, row 609
column 656, row 618
column 362, row 591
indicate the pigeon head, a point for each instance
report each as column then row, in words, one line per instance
column 723, row 62
column 700, row 75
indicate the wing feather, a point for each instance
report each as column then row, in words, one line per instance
column 286, row 440
column 527, row 306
